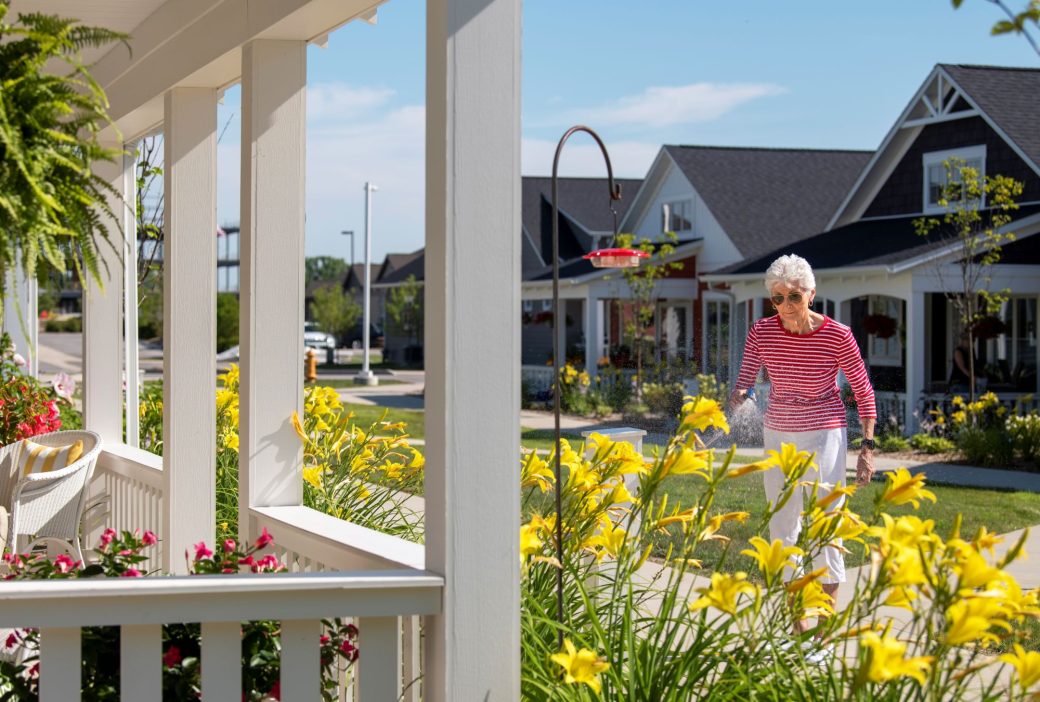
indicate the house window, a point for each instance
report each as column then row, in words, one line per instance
column 546, row 305
column 1011, row 354
column 677, row 216
column 935, row 176
column 528, row 305
column 717, row 337
column 884, row 325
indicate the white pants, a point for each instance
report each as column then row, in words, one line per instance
column 830, row 447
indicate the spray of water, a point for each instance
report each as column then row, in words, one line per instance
column 745, row 424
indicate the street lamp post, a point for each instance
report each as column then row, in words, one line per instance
column 366, row 376
column 350, row 233
column 603, row 258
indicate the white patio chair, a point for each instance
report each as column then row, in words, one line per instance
column 46, row 508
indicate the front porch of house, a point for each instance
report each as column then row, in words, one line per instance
column 463, row 581
column 907, row 330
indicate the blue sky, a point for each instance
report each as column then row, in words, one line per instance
column 810, row 73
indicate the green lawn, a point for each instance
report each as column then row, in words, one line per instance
column 367, row 414
column 999, row 511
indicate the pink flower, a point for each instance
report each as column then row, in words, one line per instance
column 264, row 539
column 172, row 657
column 34, row 670
column 64, row 564
column 52, row 410
column 106, row 538
column 229, row 545
column 268, row 562
column 19, row 359
column 149, row 539
column 126, row 552
column 349, row 650
column 201, row 551
column 63, row 385
column 247, row 561
column 131, row 573
column 323, row 640
column 12, row 640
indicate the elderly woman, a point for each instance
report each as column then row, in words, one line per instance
column 803, row 351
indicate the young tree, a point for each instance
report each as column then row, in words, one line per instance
column 321, row 268
column 642, row 282
column 404, row 304
column 1025, row 22
column 334, row 311
column 978, row 209
column 53, row 207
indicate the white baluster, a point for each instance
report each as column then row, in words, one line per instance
column 222, row 662
column 60, row 664
column 140, row 662
column 380, row 643
column 301, row 659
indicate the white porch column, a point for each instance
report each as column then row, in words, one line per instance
column 590, row 316
column 20, row 314
column 915, row 362
column 189, row 321
column 473, row 358
column 274, row 82
column 103, row 322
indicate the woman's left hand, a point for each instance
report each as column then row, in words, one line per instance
column 864, row 466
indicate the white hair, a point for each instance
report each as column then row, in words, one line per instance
column 791, row 270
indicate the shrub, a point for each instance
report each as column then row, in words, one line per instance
column 227, row 321
column 573, row 386
column 1025, row 435
column 931, row 444
column 663, row 398
column 612, row 387
column 893, row 443
column 989, row 447
column 29, row 407
column 630, row 635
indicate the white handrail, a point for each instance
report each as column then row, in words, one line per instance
column 188, row 598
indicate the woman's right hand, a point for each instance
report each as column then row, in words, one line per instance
column 736, row 398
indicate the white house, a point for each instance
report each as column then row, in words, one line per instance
column 465, row 580
column 869, row 260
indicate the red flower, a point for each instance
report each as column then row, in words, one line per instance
column 12, row 640
column 131, row 573
column 276, row 691
column 264, row 539
column 201, row 551
column 349, row 650
column 229, row 545
column 172, row 657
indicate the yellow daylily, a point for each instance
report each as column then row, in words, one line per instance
column 973, row 569
column 813, row 601
column 973, row 619
column 803, row 582
column 790, row 460
column 749, row 468
column 772, row 557
column 582, row 666
column 905, row 532
column 985, row 540
column 1026, row 665
column 903, row 488
column 700, row 413
column 903, row 597
column 312, row 474
column 298, row 428
column 535, row 471
column 609, row 541
column 530, row 543
column 716, row 522
column 885, row 659
column 683, row 461
column 724, row 592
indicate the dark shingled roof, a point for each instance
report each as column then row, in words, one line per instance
column 584, row 207
column 414, row 265
column 1009, row 96
column 765, row 198
column 871, row 242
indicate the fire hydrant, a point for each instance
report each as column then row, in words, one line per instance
column 310, row 366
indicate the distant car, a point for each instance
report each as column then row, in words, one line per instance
column 315, row 338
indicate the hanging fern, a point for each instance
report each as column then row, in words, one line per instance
column 53, row 209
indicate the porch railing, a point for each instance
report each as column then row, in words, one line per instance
column 127, row 494
column 59, row 608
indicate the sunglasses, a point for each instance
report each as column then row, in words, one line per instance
column 794, row 298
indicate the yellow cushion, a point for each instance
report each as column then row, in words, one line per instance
column 37, row 458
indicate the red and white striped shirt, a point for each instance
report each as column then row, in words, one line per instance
column 803, row 372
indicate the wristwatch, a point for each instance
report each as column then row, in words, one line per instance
column 868, row 443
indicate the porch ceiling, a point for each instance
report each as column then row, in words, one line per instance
column 187, row 43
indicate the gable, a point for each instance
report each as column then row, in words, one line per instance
column 902, row 191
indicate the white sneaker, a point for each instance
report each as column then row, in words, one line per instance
column 818, row 654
